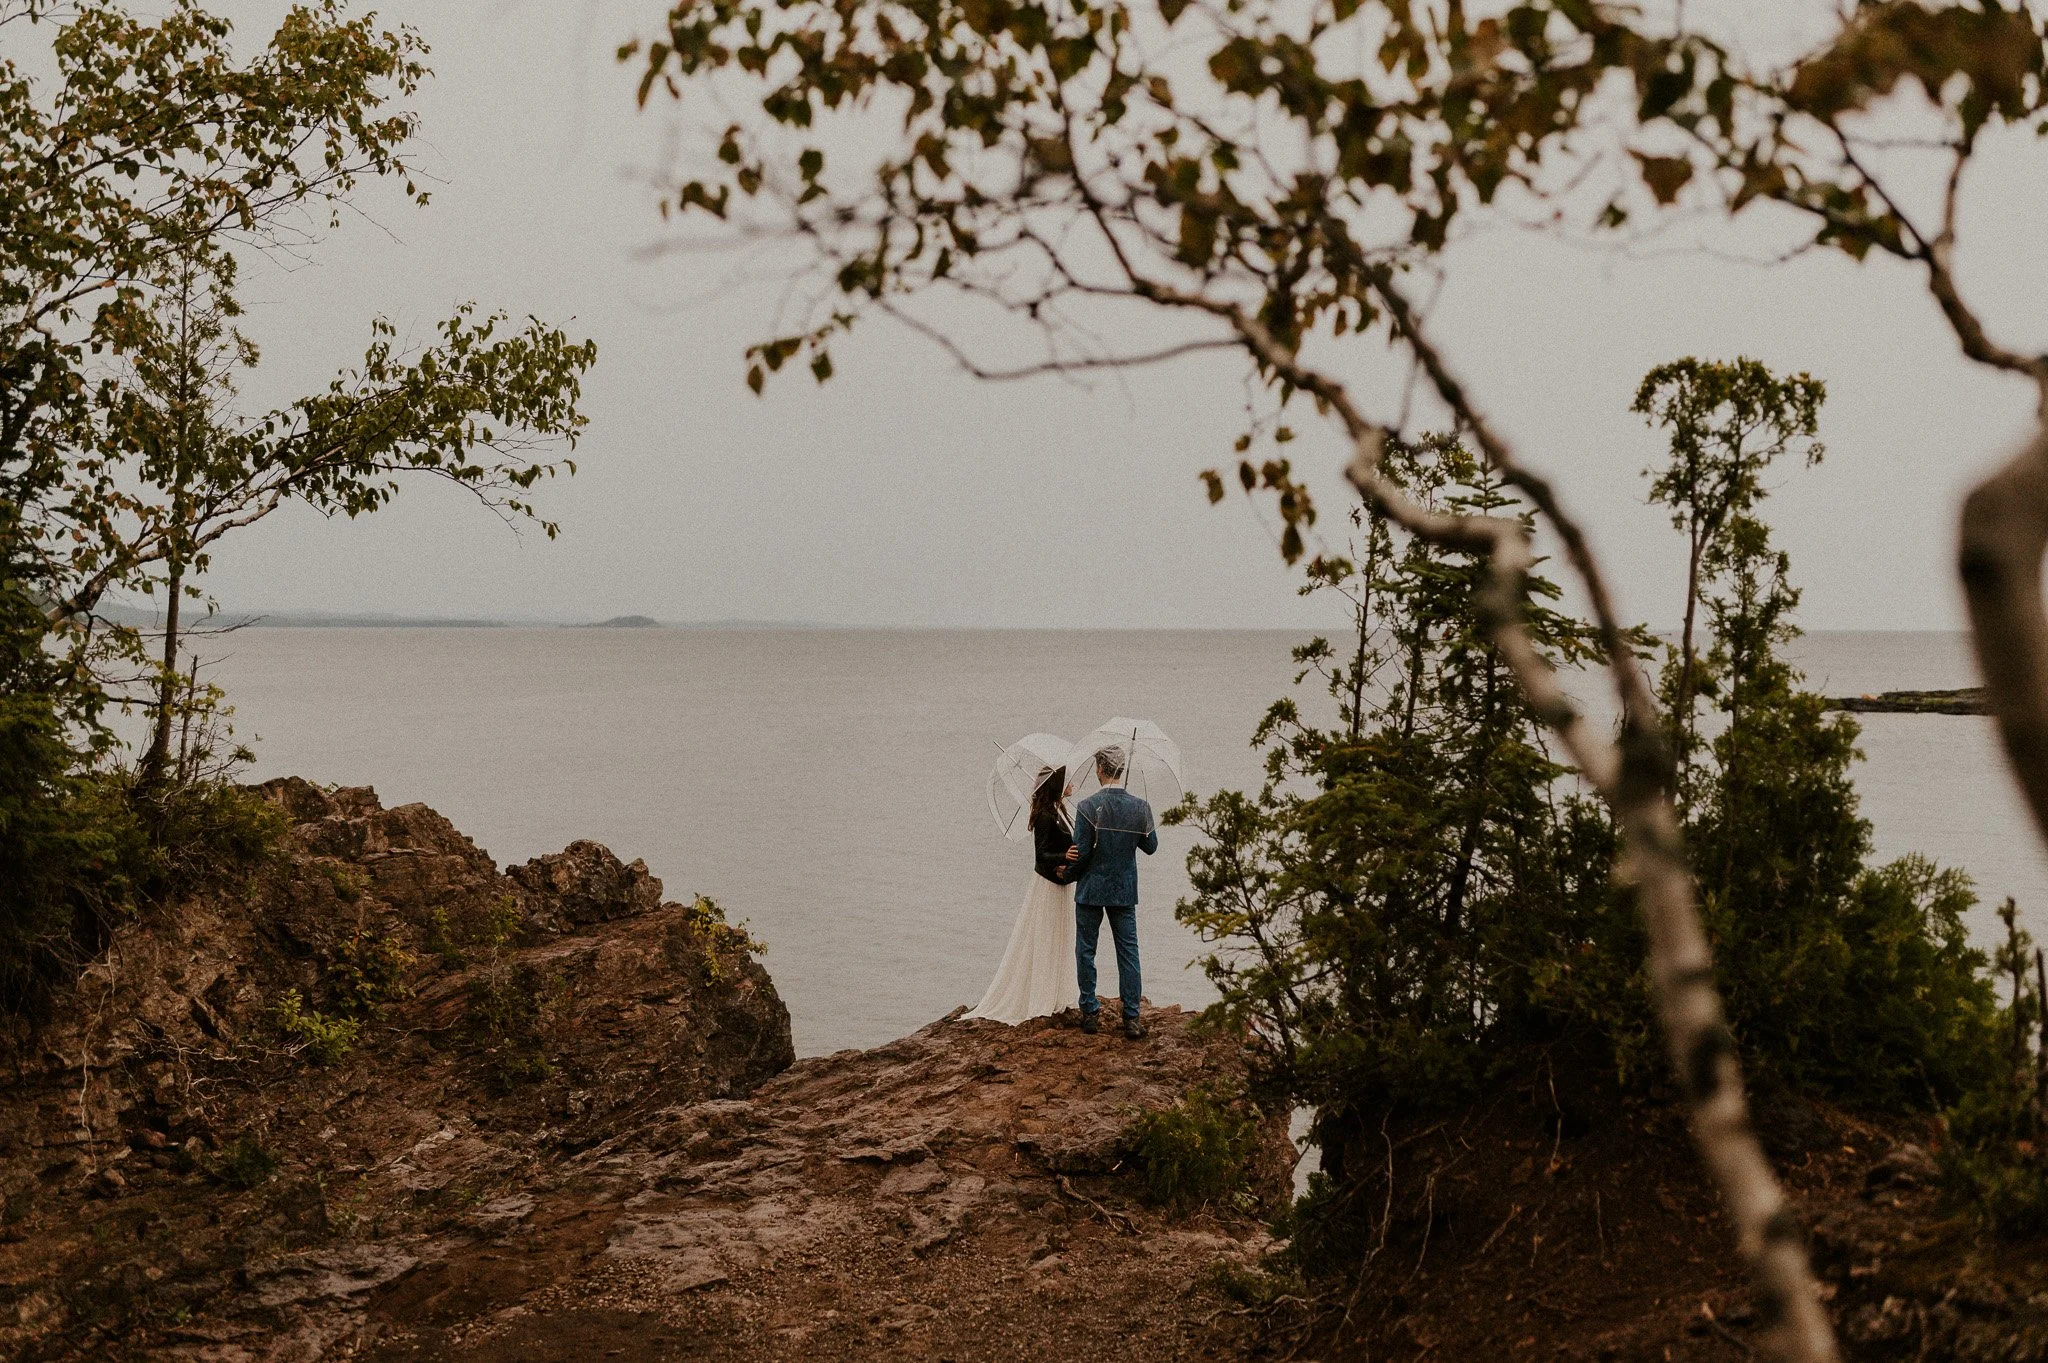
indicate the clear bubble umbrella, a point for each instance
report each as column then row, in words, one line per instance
column 1016, row 775
column 1152, row 767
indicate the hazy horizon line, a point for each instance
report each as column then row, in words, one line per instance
column 321, row 619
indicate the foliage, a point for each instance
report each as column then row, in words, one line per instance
column 1839, row 978
column 1259, row 1287
column 68, row 855
column 1285, row 161
column 1997, row 1154
column 201, row 834
column 1727, row 423
column 369, row 974
column 81, row 853
column 508, row 1005
column 509, row 1002
column 703, row 938
column 326, row 1039
column 152, row 148
column 1195, row 1153
column 356, row 982
column 138, row 158
column 1410, row 885
column 1416, row 896
column 246, row 1164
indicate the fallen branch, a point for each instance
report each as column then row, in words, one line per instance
column 1116, row 1221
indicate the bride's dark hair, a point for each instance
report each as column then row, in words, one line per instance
column 1045, row 798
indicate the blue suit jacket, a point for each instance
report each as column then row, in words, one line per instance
column 1110, row 828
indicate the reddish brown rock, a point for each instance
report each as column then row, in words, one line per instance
column 171, row 1149
column 567, row 1126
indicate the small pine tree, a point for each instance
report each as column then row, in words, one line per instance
column 1394, row 901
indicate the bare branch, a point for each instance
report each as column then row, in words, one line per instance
column 1055, row 365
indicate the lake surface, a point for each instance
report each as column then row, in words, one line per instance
column 827, row 787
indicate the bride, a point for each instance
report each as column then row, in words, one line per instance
column 1037, row 973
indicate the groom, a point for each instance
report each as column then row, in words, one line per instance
column 1110, row 828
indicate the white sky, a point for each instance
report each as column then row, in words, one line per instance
column 904, row 493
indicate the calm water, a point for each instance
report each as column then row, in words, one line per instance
column 827, row 786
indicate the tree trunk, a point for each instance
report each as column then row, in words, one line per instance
column 1468, row 842
column 156, row 762
column 1681, row 708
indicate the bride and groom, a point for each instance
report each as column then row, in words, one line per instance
column 1085, row 871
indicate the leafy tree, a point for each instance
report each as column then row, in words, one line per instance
column 154, row 144
column 1842, row 979
column 182, row 384
column 131, row 179
column 1727, row 421
column 137, row 164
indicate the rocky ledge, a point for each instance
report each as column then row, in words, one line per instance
column 387, row 1101
column 963, row 1193
column 1966, row 701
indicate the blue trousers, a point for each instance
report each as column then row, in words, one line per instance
column 1123, row 930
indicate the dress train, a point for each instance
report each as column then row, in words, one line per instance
column 1037, row 974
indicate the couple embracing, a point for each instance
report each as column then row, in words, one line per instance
column 1086, row 871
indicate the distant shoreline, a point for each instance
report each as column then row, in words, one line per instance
column 239, row 620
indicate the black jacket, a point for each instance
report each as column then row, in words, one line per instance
column 1052, row 840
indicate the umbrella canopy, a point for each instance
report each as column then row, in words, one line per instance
column 1016, row 776
column 1151, row 761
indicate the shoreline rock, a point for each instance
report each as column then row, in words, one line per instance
column 1968, row 700
column 390, row 1102
column 379, row 1033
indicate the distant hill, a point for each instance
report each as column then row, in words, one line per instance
column 622, row 622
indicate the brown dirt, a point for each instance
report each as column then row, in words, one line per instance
column 1556, row 1220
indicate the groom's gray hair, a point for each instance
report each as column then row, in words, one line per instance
column 1109, row 763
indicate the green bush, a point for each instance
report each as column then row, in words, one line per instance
column 326, row 1039
column 1412, row 886
column 369, row 974
column 82, row 850
column 508, row 1005
column 1844, row 980
column 1196, row 1153
column 71, row 855
column 702, row 939
column 202, row 835
column 245, row 1164
column 1996, row 1154
column 1993, row 1159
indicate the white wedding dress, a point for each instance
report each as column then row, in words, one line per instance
column 1037, row 973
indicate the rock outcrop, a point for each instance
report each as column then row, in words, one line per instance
column 388, row 1102
column 261, row 1097
column 963, row 1193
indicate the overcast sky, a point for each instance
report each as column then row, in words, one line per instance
column 904, row 493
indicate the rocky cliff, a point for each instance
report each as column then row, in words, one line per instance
column 387, row 1101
